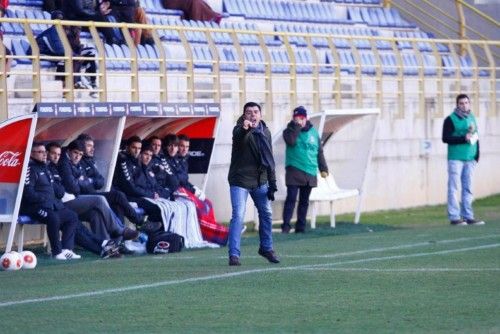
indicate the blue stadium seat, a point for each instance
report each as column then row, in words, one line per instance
column 449, row 66
column 228, row 59
column 367, row 62
column 430, row 64
column 347, row 62
column 20, row 47
column 354, row 15
column 410, row 64
column 389, row 63
column 16, row 28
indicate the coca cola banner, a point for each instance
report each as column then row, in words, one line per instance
column 14, row 136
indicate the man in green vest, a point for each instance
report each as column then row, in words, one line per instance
column 304, row 156
column 460, row 133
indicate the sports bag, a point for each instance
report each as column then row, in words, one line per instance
column 164, row 242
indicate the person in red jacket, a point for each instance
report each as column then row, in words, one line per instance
column 197, row 10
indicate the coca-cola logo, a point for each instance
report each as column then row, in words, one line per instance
column 10, row 159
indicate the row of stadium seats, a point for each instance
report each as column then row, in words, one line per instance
column 280, row 60
column 316, row 12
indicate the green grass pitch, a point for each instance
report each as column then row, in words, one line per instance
column 412, row 273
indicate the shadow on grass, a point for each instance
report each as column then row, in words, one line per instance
column 322, row 230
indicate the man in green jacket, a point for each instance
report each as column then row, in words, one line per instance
column 251, row 172
column 460, row 133
column 304, row 156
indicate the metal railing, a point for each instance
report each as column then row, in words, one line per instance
column 436, row 81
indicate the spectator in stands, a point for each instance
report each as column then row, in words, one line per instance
column 42, row 202
column 50, row 44
column 252, row 171
column 164, row 174
column 142, row 36
column 116, row 199
column 304, row 156
column 461, row 135
column 98, row 11
column 75, row 183
column 197, row 10
column 8, row 63
column 52, row 5
column 83, row 237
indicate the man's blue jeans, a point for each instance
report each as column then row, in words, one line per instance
column 238, row 202
column 460, row 173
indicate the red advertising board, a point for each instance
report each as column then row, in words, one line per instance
column 13, row 141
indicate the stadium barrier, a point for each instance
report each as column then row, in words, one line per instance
column 210, row 63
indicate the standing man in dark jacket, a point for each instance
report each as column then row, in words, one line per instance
column 304, row 156
column 460, row 133
column 251, row 172
column 41, row 201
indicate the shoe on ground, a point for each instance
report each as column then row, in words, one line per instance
column 458, row 222
column 129, row 234
column 67, row 254
column 234, row 261
column 110, row 249
column 285, row 229
column 124, row 249
column 475, row 222
column 269, row 255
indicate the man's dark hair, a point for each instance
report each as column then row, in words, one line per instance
column 462, row 96
column 146, row 147
column 133, row 139
column 251, row 104
column 84, row 137
column 76, row 145
column 150, row 139
column 171, row 138
column 183, row 137
column 36, row 144
column 52, row 144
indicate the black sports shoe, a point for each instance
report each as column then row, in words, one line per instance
column 234, row 261
column 269, row 255
column 124, row 250
column 474, row 222
column 110, row 249
column 458, row 222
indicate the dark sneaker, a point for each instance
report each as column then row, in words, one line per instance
column 285, row 229
column 129, row 234
column 458, row 223
column 269, row 255
column 475, row 222
column 234, row 261
column 124, row 249
column 110, row 249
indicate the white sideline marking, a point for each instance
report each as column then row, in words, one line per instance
column 410, row 270
column 235, row 274
column 360, row 252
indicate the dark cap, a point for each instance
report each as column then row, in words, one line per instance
column 300, row 112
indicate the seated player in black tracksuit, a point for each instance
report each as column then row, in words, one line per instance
column 41, row 201
column 137, row 180
column 164, row 174
column 83, row 237
column 75, row 182
column 116, row 199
